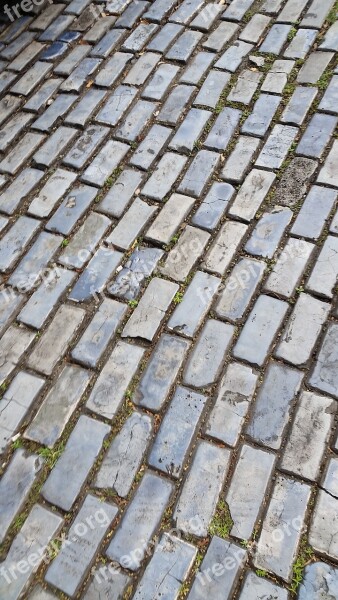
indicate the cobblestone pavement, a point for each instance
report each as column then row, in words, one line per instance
column 169, row 324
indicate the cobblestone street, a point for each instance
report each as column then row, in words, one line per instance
column 168, row 300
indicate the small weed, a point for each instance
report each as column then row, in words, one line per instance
column 184, row 590
column 133, row 303
column 64, row 243
column 292, row 33
column 222, row 522
column 112, row 178
column 333, row 14
column 324, row 80
column 305, row 556
column 261, row 573
column 17, row 444
column 178, row 298
column 3, row 388
column 51, row 455
column 299, row 289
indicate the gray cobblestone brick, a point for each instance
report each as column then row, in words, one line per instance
column 131, row 278
column 323, row 530
column 314, row 66
column 251, row 194
column 107, row 77
column 325, row 373
column 240, row 159
column 185, row 45
column 223, row 129
column 121, row 192
column 72, row 60
column 31, row 78
column 56, row 186
column 328, row 173
column 314, row 212
column 224, row 247
column 254, row 30
column 162, row 40
column 277, row 77
column 239, row 289
column 206, row 17
column 84, row 110
column 164, row 176
column 131, row 224
column 57, row 109
column 299, row 105
column 185, row 253
column 212, row 88
column 276, row 147
column 29, row 270
column 258, row 122
column 79, row 76
column 105, row 162
column 317, row 135
column 175, row 104
column 150, row 147
column 255, row 586
column 136, row 120
column 190, row 130
column 213, row 206
column 141, row 70
column 268, row 232
column 199, row 65
column 21, row 153
column 330, row 39
column 161, row 80
column 245, row 87
column 319, row 578
column 14, row 242
column 108, row 580
column 169, row 219
column 186, row 11
column 72, row 209
column 54, row 146
column 85, row 146
column 159, row 9
column 220, row 36
column 289, row 268
column 8, row 105
column 233, row 56
column 98, row 271
column 10, row 303
column 13, row 129
column 139, row 37
column 237, row 10
column 324, row 274
column 85, row 241
column 330, row 99
column 199, row 172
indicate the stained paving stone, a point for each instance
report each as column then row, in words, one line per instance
column 247, row 489
column 164, row 176
column 68, row 570
column 11, row 198
column 140, row 521
column 116, row 374
column 260, row 329
column 193, row 511
column 208, row 354
column 319, row 580
column 223, row 129
column 96, row 275
column 63, row 484
column 135, row 121
column 16, row 484
column 314, row 66
column 258, row 122
column 245, row 87
column 111, row 71
column 297, row 341
column 218, row 573
column 150, row 147
column 288, row 505
column 85, row 146
column 220, row 36
column 131, row 278
column 131, row 225
column 314, row 212
column 277, row 77
column 38, row 529
column 15, row 241
column 330, row 99
column 170, row 218
column 174, row 558
column 20, row 153
column 276, row 147
column 139, row 37
column 160, row 374
column 240, row 159
column 299, row 105
column 212, row 88
column 190, row 130
column 328, row 173
column 317, row 135
column 107, row 579
column 105, row 162
column 185, row 45
column 29, row 270
column 232, row 403
column 72, row 209
column 255, row 587
column 324, row 376
column 251, row 194
column 79, row 76
column 239, row 289
column 295, row 180
column 199, row 173
column 161, row 80
column 289, row 268
column 268, row 232
column 214, row 205
column 47, row 198
column 224, row 247
column 185, row 253
column 175, row 104
column 174, row 438
column 121, row 192
column 85, row 240
column 125, row 455
column 99, row 333
column 323, row 529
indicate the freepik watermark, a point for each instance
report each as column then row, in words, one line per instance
column 16, row 11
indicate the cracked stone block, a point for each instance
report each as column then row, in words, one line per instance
column 190, row 130
column 302, row 330
column 140, row 521
column 283, row 521
column 170, row 218
column 40, row 527
column 208, row 354
column 167, row 569
column 251, row 194
column 277, row 77
column 223, row 129
column 315, row 212
column 211, row 210
column 199, row 173
column 161, row 80
column 212, row 88
column 14, row 343
column 161, row 372
column 121, row 192
column 257, row 587
column 220, row 36
column 224, row 247
column 131, row 225
column 116, row 105
column 148, row 150
column 64, row 483
column 317, row 135
column 320, row 582
column 328, row 173
column 14, row 242
column 174, row 438
column 194, row 511
column 175, row 104
column 217, row 576
column 258, row 122
column 148, row 315
column 324, row 526
column 47, row 198
column 248, row 488
column 314, row 67
column 276, row 147
column 125, row 455
column 268, row 232
column 240, row 159
column 239, row 289
column 185, row 253
column 232, row 403
column 16, row 484
column 116, row 374
column 325, row 373
column 130, row 279
column 105, row 162
column 294, row 182
column 164, row 176
column 58, row 406
column 299, row 105
column 289, row 268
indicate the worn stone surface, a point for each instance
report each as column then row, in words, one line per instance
column 294, row 182
column 325, row 373
column 135, row 272
column 319, row 580
column 324, row 526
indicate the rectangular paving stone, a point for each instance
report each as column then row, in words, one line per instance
column 110, row 73
column 58, row 406
column 54, row 342
column 255, row 585
column 131, row 15
column 28, row 272
column 57, row 109
column 72, row 208
column 15, row 404
column 135, row 121
column 258, row 122
column 183, row 48
column 106, row 580
column 237, row 10
column 177, row 429
column 13, row 128
column 175, row 104
column 164, row 176
column 245, row 86
column 131, row 224
column 306, row 444
column 63, row 484
column 147, row 317
column 167, row 569
column 206, row 17
column 125, row 455
column 276, row 147
column 190, row 130
column 288, row 505
column 31, row 78
column 54, row 147
column 314, row 213
column 213, row 207
column 210, row 465
column 233, row 56
column 107, row 44
column 19, row 189
column 239, row 289
column 322, row 535
column 268, row 232
column 21, row 153
column 148, row 150
column 170, row 218
column 84, row 110
column 185, row 253
column 17, row 46
column 272, row 409
column 85, row 146
column 138, row 524
column 260, row 329
column 6, row 79
column 73, row 58
column 56, row 28
column 240, row 159
column 299, row 105
column 8, row 105
column 272, row 6
column 69, row 568
column 159, row 9
column 16, row 484
column 289, row 268
column 330, row 41
column 160, row 374
column 317, row 135
column 199, row 173
column 121, row 192
column 186, row 10
column 96, row 275
column 277, row 78
column 328, row 173
column 40, row 527
column 141, row 70
column 302, row 330
column 167, row 34
column 132, row 277
column 232, row 403
column 79, row 76
column 254, row 30
column 212, row 88
column 329, row 101
column 220, row 36
column 208, row 354
column 224, row 247
column 85, row 240
column 292, row 11
column 100, row 27
column 160, row 81
column 301, row 43
column 248, row 488
column 324, row 274
column 314, row 66
column 105, row 162
column 325, row 374
column 116, row 105
column 197, row 68
column 223, row 129
column 14, row 242
column 217, row 576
